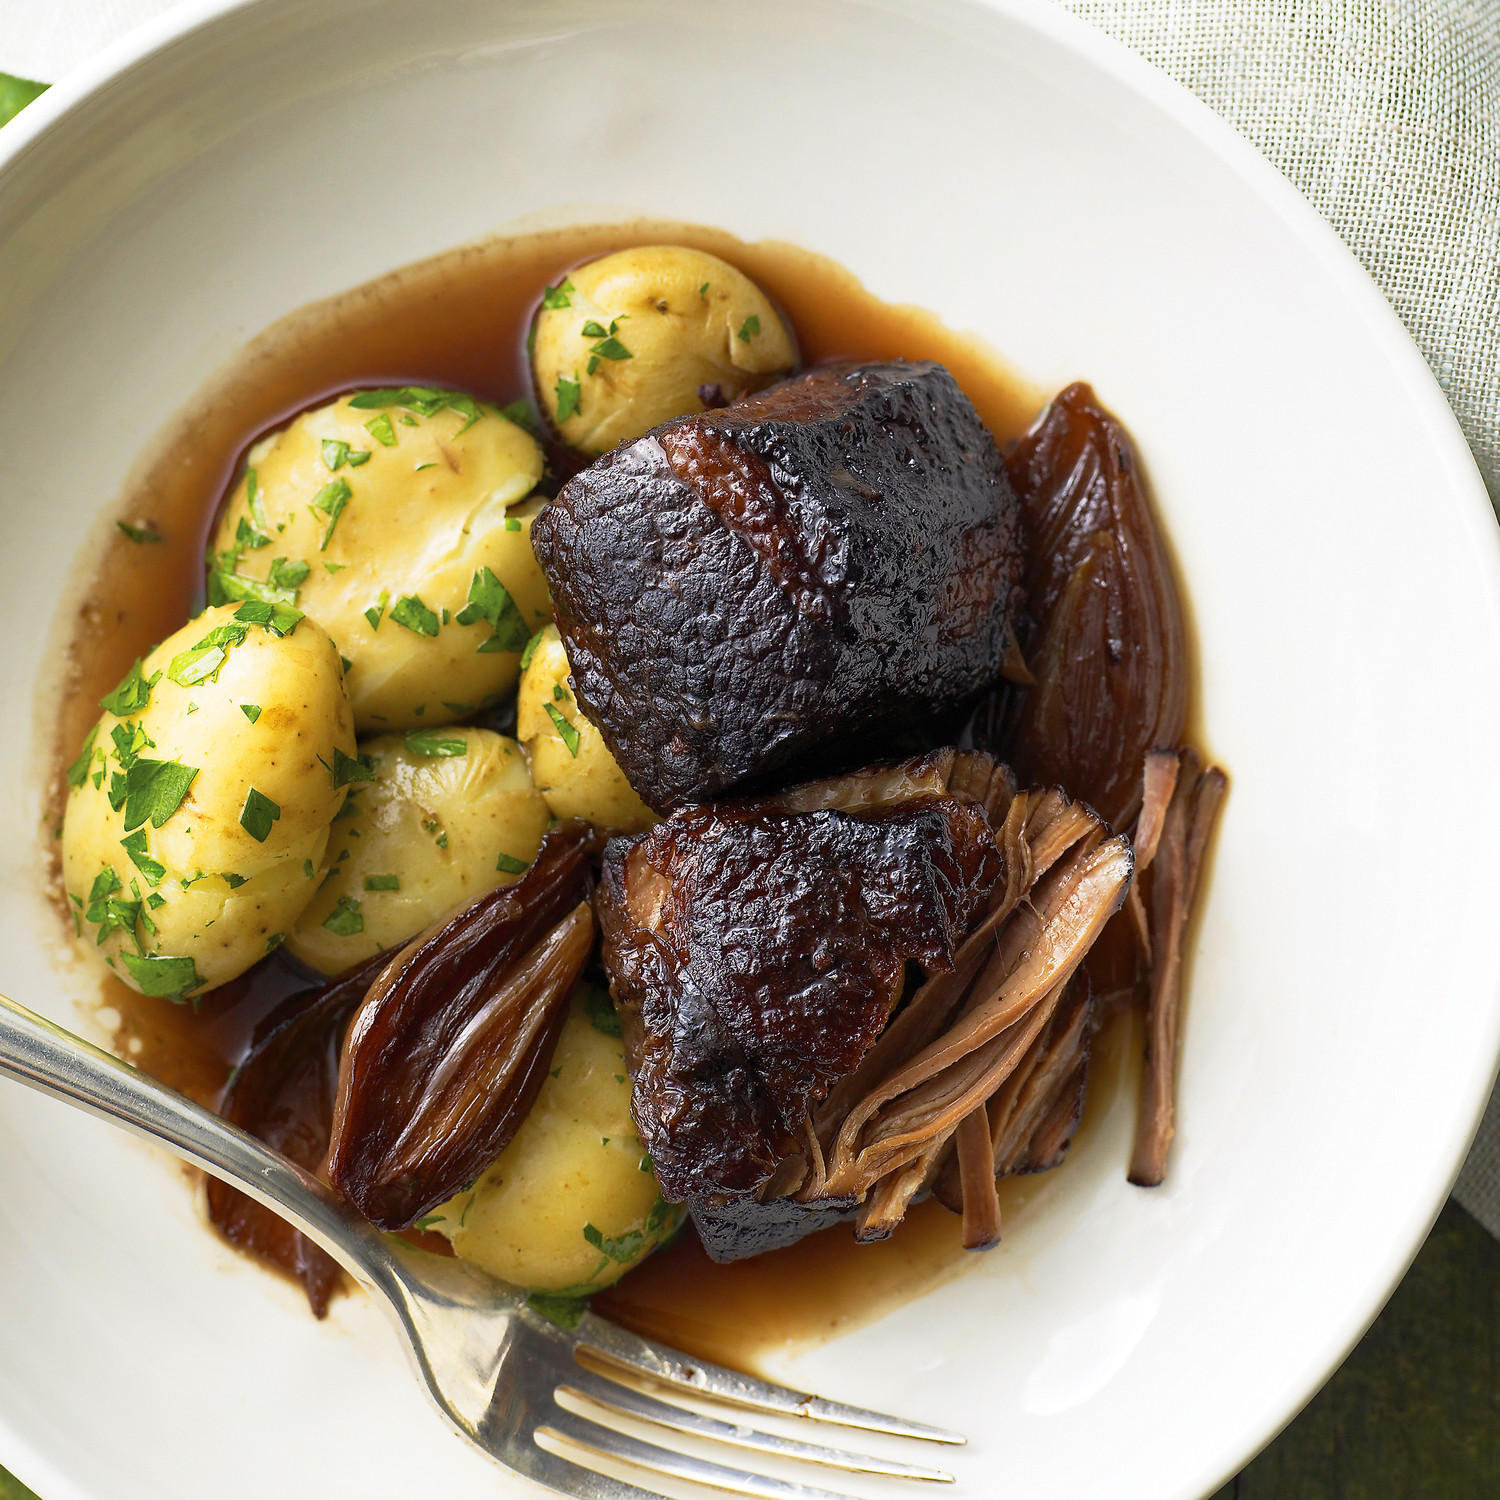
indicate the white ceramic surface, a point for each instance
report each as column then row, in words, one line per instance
column 1025, row 178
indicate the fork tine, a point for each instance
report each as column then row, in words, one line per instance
column 603, row 1342
column 604, row 1442
column 568, row 1477
column 626, row 1401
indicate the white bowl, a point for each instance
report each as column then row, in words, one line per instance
column 1025, row 178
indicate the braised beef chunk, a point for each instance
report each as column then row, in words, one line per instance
column 756, row 952
column 748, row 589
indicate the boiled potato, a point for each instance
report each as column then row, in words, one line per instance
column 451, row 813
column 399, row 520
column 627, row 340
column 570, row 763
column 200, row 806
column 572, row 1203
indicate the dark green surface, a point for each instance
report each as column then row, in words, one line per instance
column 1413, row 1414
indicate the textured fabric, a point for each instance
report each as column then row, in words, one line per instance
column 43, row 39
column 1386, row 113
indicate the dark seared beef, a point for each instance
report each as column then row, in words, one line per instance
column 756, row 953
column 746, row 590
column 734, row 1228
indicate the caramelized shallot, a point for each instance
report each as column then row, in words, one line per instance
column 1108, row 648
column 445, row 1056
column 283, row 1093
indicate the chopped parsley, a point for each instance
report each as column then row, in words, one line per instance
column 555, row 298
column 382, row 882
column 435, row 743
column 201, row 663
column 558, row 1307
column 414, row 615
column 275, row 940
column 703, row 290
column 154, row 789
column 426, row 400
column 78, row 772
column 349, row 768
column 167, row 978
column 749, row 328
column 508, row 864
column 346, row 919
column 233, row 881
column 247, row 538
column 134, row 845
column 568, row 392
column 530, row 650
column 490, row 600
column 376, row 612
column 335, row 454
column 251, row 711
column 139, row 533
column 511, row 524
column 332, row 568
column 624, row 1249
column 520, row 412
column 331, row 500
column 601, row 1011
column 611, row 348
column 593, row 330
column 254, row 501
column 133, row 693
column 381, row 430
column 257, row 815
column 568, row 733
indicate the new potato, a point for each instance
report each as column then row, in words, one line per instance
column 571, row 1204
column 219, row 759
column 570, row 763
column 379, row 521
column 626, row 341
column 451, row 813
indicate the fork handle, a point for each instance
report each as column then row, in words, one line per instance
column 53, row 1061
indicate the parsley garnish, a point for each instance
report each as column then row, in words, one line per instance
column 558, row 1307
column 132, row 695
column 154, row 789
column 140, row 532
column 702, row 289
column 251, row 711
column 134, row 845
column 232, row 880
column 511, row 524
column 346, row 919
column 508, row 864
column 129, row 740
column 749, row 328
column 253, row 500
column 78, row 772
column 332, row 568
column 247, row 537
column 414, row 615
column 331, row 500
column 201, row 663
column 348, row 768
column 624, row 1249
column 376, row 611
column 611, row 348
column 280, row 587
column 557, row 297
column 275, row 940
column 335, row 454
column 382, row 882
column 257, row 815
column 520, row 412
column 593, row 330
column 600, row 1011
column 433, row 742
column 167, row 978
column 381, row 430
column 426, row 400
column 566, row 730
column 568, row 393
column 490, row 600
column 530, row 650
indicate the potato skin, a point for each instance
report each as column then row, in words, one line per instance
column 437, row 823
column 226, row 897
column 686, row 318
column 571, row 1204
column 437, row 499
column 581, row 781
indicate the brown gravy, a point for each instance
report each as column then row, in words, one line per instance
column 460, row 320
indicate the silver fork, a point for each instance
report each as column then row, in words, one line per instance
column 495, row 1367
